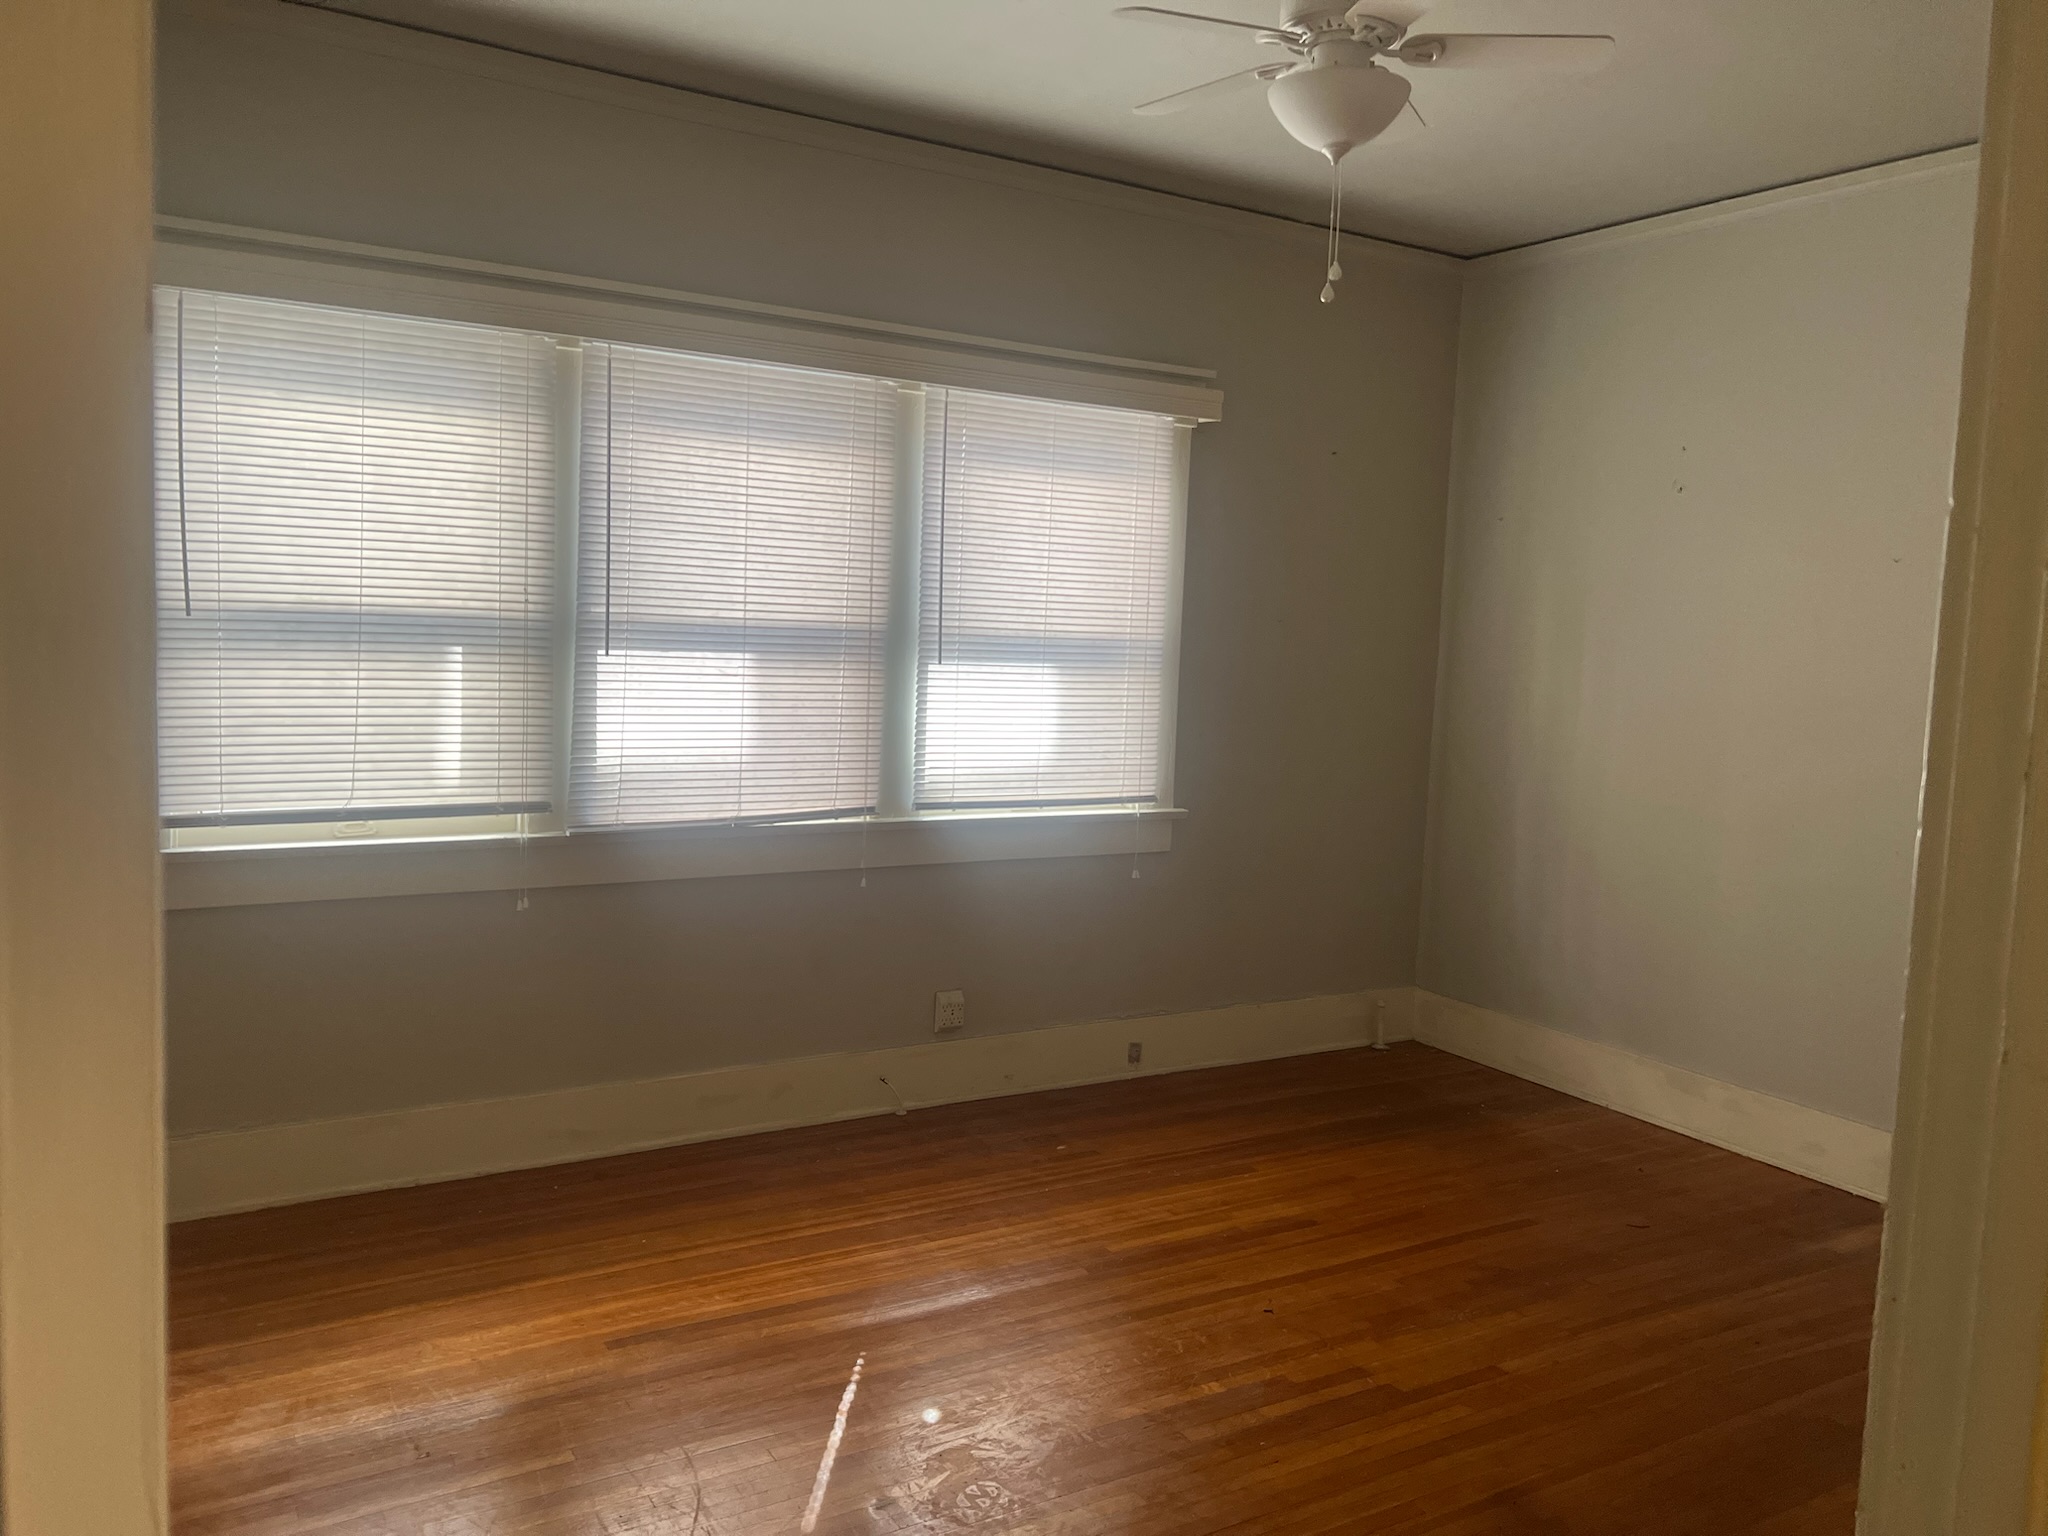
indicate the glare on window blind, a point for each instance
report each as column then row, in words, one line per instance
column 354, row 537
column 1046, row 534
column 732, row 575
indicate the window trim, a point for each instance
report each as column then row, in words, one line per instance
column 339, row 871
column 206, row 867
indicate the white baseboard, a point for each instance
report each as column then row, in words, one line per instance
column 217, row 1172
column 1844, row 1153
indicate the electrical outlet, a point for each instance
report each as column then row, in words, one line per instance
column 949, row 1012
column 1135, row 1053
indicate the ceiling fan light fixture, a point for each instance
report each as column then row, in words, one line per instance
column 1333, row 95
column 1333, row 108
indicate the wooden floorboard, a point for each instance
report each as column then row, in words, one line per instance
column 1390, row 1292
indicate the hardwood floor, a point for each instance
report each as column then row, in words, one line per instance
column 1388, row 1292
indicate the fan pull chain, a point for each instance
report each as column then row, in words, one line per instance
column 1336, row 271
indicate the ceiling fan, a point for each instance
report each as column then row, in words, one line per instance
column 1335, row 93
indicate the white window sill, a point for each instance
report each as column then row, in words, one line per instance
column 245, row 876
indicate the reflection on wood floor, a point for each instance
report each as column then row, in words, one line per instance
column 1387, row 1292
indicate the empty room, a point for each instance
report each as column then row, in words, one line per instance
column 956, row 765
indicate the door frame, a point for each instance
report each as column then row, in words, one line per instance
column 1954, row 1440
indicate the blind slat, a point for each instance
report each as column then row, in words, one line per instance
column 354, row 540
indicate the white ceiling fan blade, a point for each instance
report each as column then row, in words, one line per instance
column 1503, row 50
column 1195, row 95
column 1185, row 19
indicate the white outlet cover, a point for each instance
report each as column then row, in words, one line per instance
column 949, row 1012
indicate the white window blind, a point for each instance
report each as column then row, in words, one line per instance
column 732, row 580
column 354, row 548
column 1042, row 620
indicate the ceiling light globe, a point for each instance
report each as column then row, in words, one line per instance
column 1333, row 108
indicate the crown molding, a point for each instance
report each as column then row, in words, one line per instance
column 1959, row 160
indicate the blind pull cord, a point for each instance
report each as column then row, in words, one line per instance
column 184, row 539
column 609, row 397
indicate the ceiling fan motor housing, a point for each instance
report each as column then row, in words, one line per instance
column 1339, row 101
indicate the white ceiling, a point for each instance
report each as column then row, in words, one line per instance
column 1705, row 98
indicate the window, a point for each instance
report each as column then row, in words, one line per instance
column 733, row 589
column 421, row 576
column 1046, row 534
column 354, row 531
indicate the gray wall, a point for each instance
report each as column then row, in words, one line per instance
column 1313, row 578
column 1699, row 491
